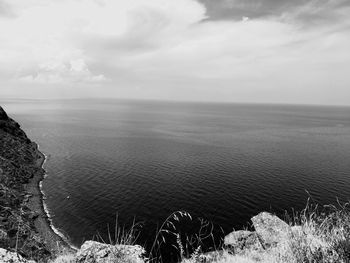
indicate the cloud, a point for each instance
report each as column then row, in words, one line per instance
column 57, row 33
column 171, row 49
column 5, row 10
column 307, row 9
column 54, row 72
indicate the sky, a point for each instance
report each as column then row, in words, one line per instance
column 264, row 51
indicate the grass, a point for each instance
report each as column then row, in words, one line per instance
column 167, row 228
column 323, row 234
column 318, row 234
column 122, row 236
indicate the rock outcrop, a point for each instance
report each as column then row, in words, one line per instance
column 90, row 252
column 270, row 231
column 12, row 257
column 95, row 252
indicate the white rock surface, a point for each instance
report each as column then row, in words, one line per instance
column 95, row 252
column 12, row 257
column 270, row 229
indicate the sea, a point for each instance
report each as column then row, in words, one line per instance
column 123, row 160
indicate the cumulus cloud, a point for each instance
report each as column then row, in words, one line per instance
column 58, row 72
column 47, row 36
column 176, row 50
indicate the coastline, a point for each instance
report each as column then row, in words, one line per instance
column 54, row 240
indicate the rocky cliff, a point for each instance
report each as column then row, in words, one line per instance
column 20, row 162
column 25, row 233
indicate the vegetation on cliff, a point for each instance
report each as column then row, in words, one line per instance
column 18, row 165
column 317, row 234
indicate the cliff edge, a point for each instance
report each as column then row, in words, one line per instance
column 24, row 228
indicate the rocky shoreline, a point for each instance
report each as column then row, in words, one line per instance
column 24, row 226
column 53, row 241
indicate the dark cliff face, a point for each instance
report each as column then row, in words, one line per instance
column 11, row 127
column 18, row 164
column 3, row 115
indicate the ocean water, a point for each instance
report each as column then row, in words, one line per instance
column 221, row 162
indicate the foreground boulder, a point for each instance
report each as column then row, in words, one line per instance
column 12, row 257
column 95, row 252
column 270, row 229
